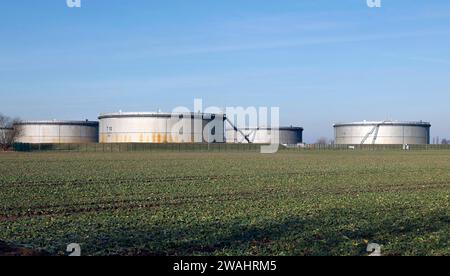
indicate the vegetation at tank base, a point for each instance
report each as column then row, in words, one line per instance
column 8, row 132
column 197, row 203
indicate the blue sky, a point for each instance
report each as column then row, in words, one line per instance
column 320, row 61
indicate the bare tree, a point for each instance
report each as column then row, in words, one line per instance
column 445, row 142
column 9, row 132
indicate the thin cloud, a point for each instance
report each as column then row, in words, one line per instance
column 430, row 60
column 298, row 43
column 419, row 59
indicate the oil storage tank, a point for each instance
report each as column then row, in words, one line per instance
column 57, row 132
column 382, row 132
column 264, row 135
column 158, row 127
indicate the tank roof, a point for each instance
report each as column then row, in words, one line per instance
column 151, row 114
column 59, row 122
column 395, row 123
column 270, row 128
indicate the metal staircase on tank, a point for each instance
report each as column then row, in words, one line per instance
column 375, row 136
column 374, row 131
column 246, row 137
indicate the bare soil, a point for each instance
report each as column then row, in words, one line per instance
column 12, row 250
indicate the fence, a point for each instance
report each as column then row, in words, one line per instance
column 136, row 147
column 375, row 147
column 130, row 147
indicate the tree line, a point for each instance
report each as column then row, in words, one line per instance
column 9, row 132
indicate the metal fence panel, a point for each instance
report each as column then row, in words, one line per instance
column 138, row 147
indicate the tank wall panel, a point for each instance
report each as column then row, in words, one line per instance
column 57, row 134
column 265, row 136
column 159, row 129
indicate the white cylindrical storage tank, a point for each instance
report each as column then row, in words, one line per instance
column 149, row 127
column 57, row 132
column 287, row 135
column 384, row 133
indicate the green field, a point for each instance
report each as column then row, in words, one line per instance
column 291, row 203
